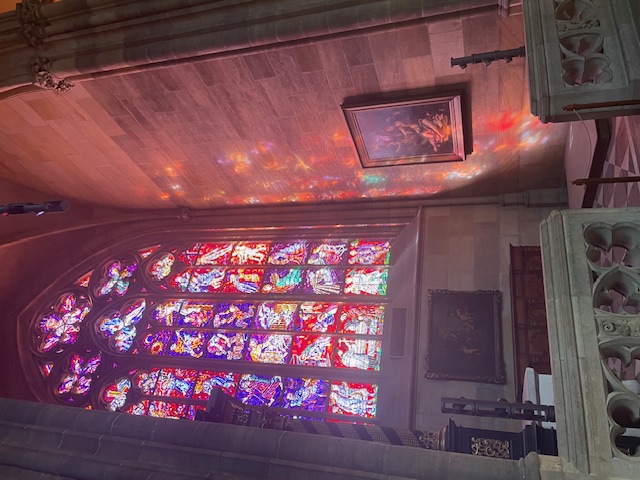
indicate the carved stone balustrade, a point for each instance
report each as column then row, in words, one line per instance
column 583, row 56
column 592, row 284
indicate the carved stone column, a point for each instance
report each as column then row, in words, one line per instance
column 592, row 286
column 583, row 56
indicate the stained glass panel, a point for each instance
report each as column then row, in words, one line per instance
column 288, row 253
column 167, row 409
column 120, row 326
column 276, row 316
column 259, row 390
column 369, row 252
column 187, row 343
column 79, row 374
column 358, row 353
column 324, row 281
column 269, row 348
column 318, row 317
column 362, row 319
column 328, row 253
column 312, row 350
column 366, row 281
column 286, row 280
column 243, row 280
column 175, row 382
column 167, row 313
column 206, row 280
column 227, row 346
column 353, row 399
column 190, row 255
column 237, row 315
column 161, row 268
column 62, row 326
column 155, row 342
column 180, row 281
column 215, row 254
column 196, row 314
column 46, row 368
column 250, row 253
column 83, row 281
column 305, row 394
column 146, row 381
column 116, row 278
column 115, row 395
column 139, row 408
column 207, row 380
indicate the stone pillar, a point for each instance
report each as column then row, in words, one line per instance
column 72, row 40
column 583, row 56
column 592, row 279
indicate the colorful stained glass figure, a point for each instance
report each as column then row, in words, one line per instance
column 353, row 399
column 206, row 280
column 243, row 280
column 312, row 350
column 366, row 281
column 215, row 254
column 250, row 253
column 187, row 343
column 146, row 380
column 259, row 390
column 369, row 252
column 324, row 281
column 318, row 317
column 147, row 252
column 175, row 382
column 167, row 409
column 139, row 408
column 276, row 316
column 120, row 327
column 83, row 281
column 288, row 253
column 286, row 280
column 226, row 346
column 207, row 380
column 180, row 281
column 358, row 353
column 305, row 394
column 115, row 395
column 79, row 374
column 63, row 325
column 190, row 255
column 269, row 348
column 328, row 253
column 196, row 314
column 236, row 315
column 155, row 342
column 161, row 268
column 46, row 368
column 116, row 278
column 167, row 313
column 362, row 319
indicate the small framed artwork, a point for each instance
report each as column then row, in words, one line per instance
column 407, row 132
column 465, row 339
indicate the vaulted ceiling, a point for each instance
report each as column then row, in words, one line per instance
column 267, row 127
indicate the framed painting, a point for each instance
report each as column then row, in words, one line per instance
column 465, row 340
column 407, row 132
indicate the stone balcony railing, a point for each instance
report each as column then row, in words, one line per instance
column 592, row 283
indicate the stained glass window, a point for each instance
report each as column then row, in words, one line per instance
column 278, row 323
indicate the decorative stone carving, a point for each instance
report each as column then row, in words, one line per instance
column 40, row 67
column 581, row 43
column 489, row 447
column 432, row 440
column 33, row 23
column 612, row 252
